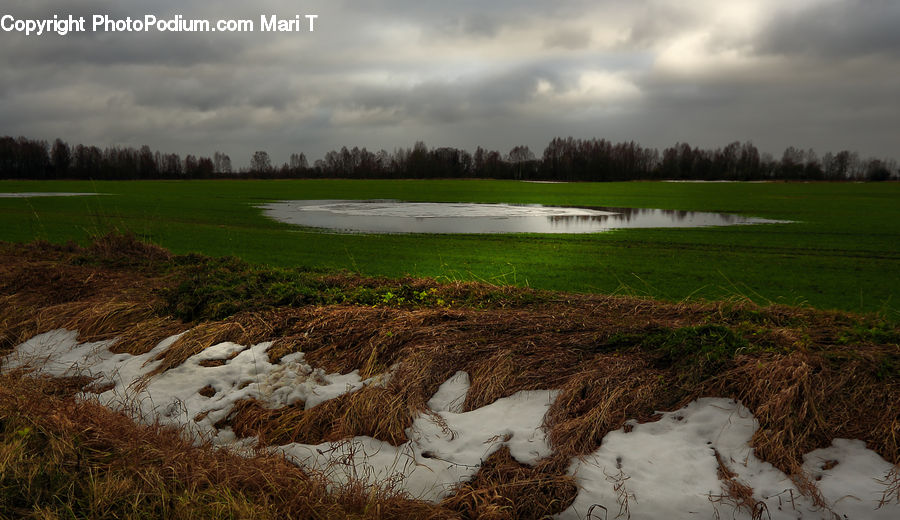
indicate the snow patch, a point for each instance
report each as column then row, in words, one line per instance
column 445, row 447
column 668, row 469
column 174, row 397
column 451, row 394
column 663, row 469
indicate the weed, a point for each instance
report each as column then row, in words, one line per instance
column 696, row 353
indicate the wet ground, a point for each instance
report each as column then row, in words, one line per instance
column 391, row 216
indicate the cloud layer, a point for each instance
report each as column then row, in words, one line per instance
column 811, row 73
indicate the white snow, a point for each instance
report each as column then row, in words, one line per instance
column 665, row 469
column 854, row 480
column 451, row 394
column 669, row 470
column 173, row 397
column 444, row 448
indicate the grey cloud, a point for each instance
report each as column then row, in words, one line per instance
column 838, row 29
column 571, row 39
column 356, row 82
column 120, row 49
column 472, row 26
column 439, row 102
column 653, row 25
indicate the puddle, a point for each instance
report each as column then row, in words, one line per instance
column 391, row 216
column 30, row 194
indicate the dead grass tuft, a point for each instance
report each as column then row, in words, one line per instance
column 93, row 320
column 126, row 248
column 195, row 341
column 142, row 336
column 376, row 412
column 505, row 489
column 803, row 400
column 736, row 494
column 105, row 320
column 601, row 398
column 61, row 457
column 891, row 487
column 16, row 322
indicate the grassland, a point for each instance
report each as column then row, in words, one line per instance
column 842, row 252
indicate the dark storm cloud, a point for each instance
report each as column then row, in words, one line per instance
column 443, row 102
column 837, row 30
column 386, row 73
column 120, row 49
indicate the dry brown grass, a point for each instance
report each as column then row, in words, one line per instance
column 600, row 398
column 61, row 456
column 194, row 341
column 142, row 336
column 505, row 489
column 737, row 495
column 15, row 322
column 43, row 287
column 127, row 249
column 94, row 320
column 802, row 384
column 802, row 401
column 891, row 494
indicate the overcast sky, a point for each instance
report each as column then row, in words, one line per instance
column 823, row 74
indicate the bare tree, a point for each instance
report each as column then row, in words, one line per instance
column 221, row 162
column 520, row 154
column 60, row 156
column 298, row 161
column 261, row 162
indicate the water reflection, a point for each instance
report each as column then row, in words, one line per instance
column 390, row 216
column 33, row 194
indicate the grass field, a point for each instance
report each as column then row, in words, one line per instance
column 842, row 252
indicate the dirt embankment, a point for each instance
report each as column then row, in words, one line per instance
column 808, row 376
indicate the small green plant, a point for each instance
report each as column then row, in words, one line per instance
column 696, row 352
column 871, row 332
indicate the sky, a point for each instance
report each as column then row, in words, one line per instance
column 821, row 74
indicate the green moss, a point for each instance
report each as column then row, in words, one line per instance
column 880, row 332
column 888, row 367
column 696, row 353
column 215, row 288
column 705, row 342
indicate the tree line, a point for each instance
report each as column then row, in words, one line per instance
column 564, row 159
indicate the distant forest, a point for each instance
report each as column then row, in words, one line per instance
column 564, row 159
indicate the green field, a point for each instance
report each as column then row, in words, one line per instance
column 842, row 252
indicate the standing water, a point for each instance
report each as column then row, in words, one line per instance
column 391, row 216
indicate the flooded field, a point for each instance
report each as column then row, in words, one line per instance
column 31, row 194
column 392, row 216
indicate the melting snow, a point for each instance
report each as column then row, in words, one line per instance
column 451, row 394
column 665, row 469
column 444, row 448
column 173, row 397
column 670, row 466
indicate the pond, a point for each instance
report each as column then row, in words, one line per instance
column 392, row 216
column 32, row 194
